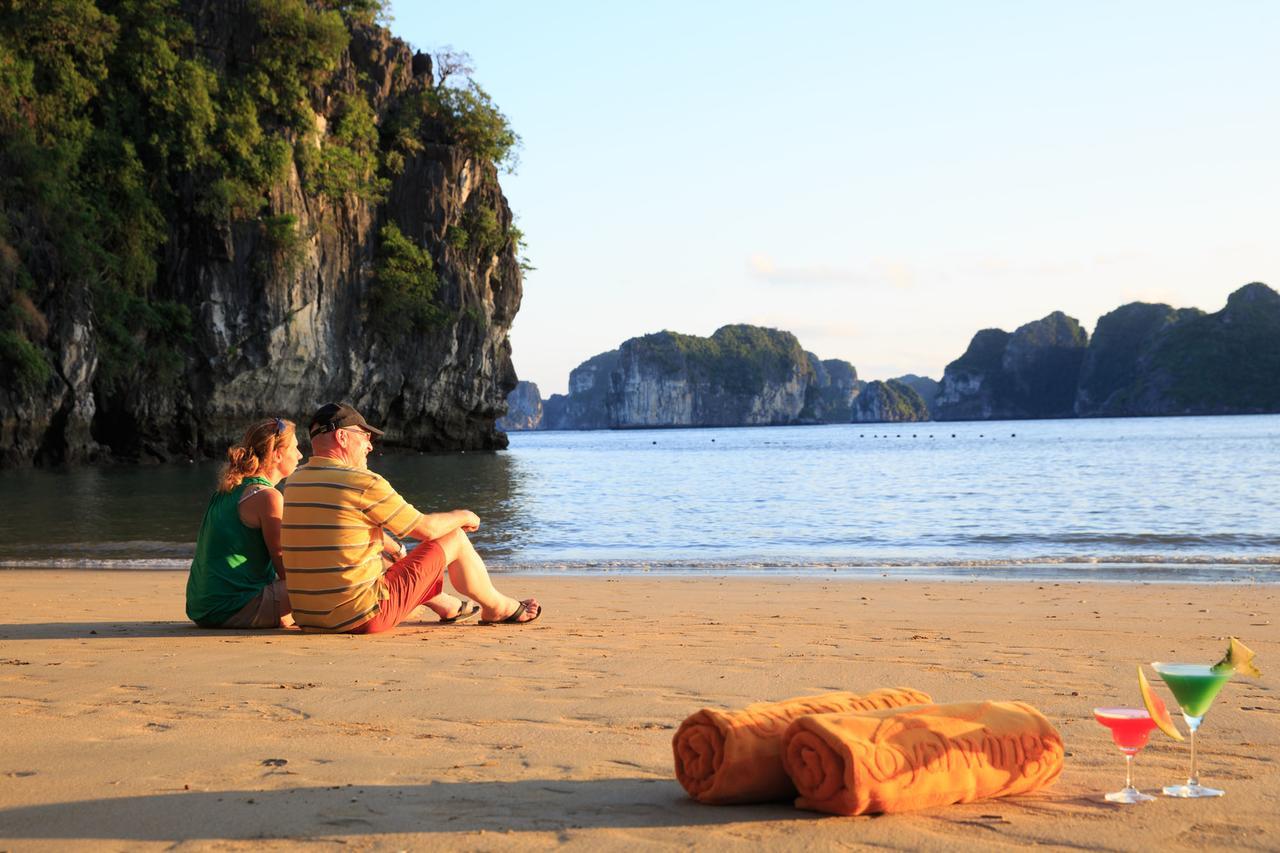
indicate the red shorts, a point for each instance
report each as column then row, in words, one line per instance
column 412, row 581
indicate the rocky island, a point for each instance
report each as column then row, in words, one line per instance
column 889, row 402
column 1156, row 360
column 1030, row 373
column 1143, row 359
column 739, row 376
column 216, row 212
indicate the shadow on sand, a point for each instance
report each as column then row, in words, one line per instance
column 117, row 630
column 304, row 813
column 145, row 630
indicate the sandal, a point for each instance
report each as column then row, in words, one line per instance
column 514, row 618
column 465, row 611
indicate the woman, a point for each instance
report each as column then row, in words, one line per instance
column 237, row 576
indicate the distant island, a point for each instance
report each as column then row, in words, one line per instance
column 1143, row 359
column 740, row 376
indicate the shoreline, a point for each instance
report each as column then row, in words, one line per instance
column 127, row 725
column 1088, row 572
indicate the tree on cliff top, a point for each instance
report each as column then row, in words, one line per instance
column 459, row 105
column 451, row 63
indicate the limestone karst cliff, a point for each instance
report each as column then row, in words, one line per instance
column 1149, row 359
column 586, row 406
column 330, row 226
column 889, row 402
column 739, row 376
column 831, row 393
column 1031, row 373
column 924, row 386
column 524, row 409
column 1142, row 360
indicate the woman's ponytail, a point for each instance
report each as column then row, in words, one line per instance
column 251, row 455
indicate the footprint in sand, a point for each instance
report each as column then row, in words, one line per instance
column 25, row 707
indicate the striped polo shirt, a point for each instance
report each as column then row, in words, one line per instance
column 331, row 535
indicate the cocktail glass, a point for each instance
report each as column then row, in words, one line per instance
column 1130, row 728
column 1195, row 686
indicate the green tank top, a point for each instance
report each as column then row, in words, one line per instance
column 231, row 565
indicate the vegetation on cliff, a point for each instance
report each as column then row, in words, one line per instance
column 122, row 125
column 402, row 297
column 1229, row 360
column 1031, row 373
column 889, row 402
column 1111, row 378
column 830, row 392
column 1143, row 359
column 1153, row 359
column 1042, row 365
column 984, row 354
column 924, row 386
column 739, row 359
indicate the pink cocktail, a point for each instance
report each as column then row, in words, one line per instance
column 1130, row 728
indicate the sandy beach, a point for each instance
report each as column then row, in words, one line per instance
column 126, row 728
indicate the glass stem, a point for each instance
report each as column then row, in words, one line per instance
column 1128, row 771
column 1194, row 780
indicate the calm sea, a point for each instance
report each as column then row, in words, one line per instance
column 1160, row 499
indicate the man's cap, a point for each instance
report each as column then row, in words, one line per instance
column 332, row 416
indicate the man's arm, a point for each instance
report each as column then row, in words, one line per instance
column 437, row 524
column 388, row 510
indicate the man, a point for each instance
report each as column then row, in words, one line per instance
column 335, row 512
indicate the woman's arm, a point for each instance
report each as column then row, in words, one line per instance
column 264, row 510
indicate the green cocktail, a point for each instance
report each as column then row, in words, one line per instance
column 1195, row 686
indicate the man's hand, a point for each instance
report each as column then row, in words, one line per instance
column 433, row 526
column 393, row 549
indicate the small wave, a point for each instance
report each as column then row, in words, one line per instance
column 1148, row 568
column 125, row 549
column 100, row 563
column 728, row 564
column 1159, row 567
column 1135, row 540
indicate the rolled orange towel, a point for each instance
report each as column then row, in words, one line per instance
column 934, row 755
column 736, row 756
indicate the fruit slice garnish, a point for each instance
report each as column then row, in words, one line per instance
column 1239, row 657
column 1155, row 707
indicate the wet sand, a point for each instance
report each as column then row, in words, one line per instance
column 123, row 727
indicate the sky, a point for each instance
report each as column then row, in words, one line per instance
column 881, row 179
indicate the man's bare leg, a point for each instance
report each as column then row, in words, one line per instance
column 469, row 576
column 444, row 605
